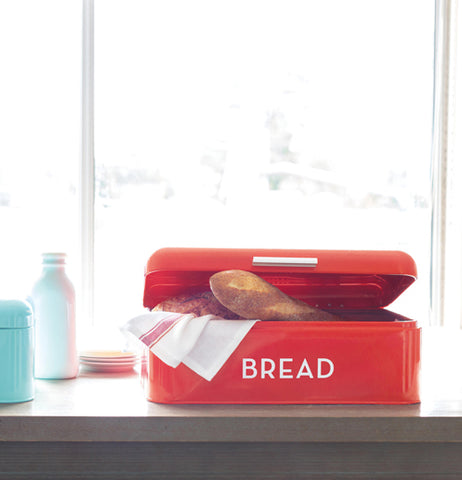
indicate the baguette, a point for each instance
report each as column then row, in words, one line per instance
column 252, row 297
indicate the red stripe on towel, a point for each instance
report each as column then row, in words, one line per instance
column 152, row 336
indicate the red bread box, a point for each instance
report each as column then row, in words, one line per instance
column 372, row 356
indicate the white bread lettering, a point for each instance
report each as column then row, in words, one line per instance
column 331, row 367
column 286, row 368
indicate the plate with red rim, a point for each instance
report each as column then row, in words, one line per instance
column 98, row 367
column 108, row 360
column 107, row 354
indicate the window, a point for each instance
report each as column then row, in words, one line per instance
column 292, row 124
column 295, row 124
column 40, row 86
column 447, row 200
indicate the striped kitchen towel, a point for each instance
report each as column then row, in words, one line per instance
column 201, row 343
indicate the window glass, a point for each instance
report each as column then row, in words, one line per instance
column 293, row 124
column 40, row 58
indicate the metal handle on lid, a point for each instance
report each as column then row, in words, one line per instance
column 284, row 262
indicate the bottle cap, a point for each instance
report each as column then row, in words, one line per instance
column 53, row 258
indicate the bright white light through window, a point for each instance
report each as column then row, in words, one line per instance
column 294, row 124
column 40, row 85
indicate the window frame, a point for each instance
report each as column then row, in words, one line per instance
column 443, row 137
column 446, row 232
column 87, row 166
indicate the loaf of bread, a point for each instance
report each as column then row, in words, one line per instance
column 252, row 297
column 202, row 303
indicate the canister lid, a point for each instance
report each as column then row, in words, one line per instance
column 15, row 314
column 350, row 279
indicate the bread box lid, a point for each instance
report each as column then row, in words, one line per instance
column 350, row 279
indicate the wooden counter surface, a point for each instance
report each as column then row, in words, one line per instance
column 102, row 408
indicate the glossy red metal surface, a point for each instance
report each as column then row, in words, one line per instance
column 372, row 357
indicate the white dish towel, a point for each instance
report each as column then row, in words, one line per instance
column 201, row 343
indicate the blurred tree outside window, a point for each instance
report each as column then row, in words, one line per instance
column 287, row 124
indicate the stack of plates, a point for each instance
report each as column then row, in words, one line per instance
column 108, row 361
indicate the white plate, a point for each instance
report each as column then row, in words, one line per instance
column 108, row 364
column 108, row 368
column 106, row 354
column 109, row 360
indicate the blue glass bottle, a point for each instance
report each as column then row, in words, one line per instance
column 53, row 302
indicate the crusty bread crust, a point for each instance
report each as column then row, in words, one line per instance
column 252, row 297
column 202, row 303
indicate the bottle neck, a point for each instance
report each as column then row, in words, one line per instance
column 52, row 267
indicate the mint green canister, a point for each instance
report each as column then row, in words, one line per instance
column 16, row 352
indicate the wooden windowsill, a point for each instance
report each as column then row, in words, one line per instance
column 102, row 407
column 112, row 408
column 101, row 426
